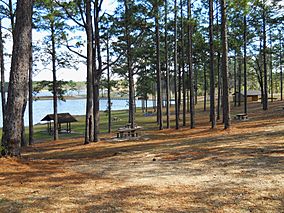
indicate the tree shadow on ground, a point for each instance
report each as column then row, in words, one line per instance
column 203, row 147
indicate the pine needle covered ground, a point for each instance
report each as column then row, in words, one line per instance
column 199, row 170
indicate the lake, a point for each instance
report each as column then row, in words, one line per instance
column 72, row 106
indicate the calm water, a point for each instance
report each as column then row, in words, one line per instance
column 74, row 107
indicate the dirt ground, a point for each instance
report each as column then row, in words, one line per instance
column 198, row 170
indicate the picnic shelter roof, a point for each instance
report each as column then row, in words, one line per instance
column 62, row 118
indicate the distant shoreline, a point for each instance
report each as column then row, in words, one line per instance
column 75, row 97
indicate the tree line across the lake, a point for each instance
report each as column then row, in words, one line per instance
column 169, row 50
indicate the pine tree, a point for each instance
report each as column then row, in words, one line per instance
column 212, row 72
column 190, row 68
column 18, row 84
column 226, row 102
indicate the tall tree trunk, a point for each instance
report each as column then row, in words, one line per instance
column 129, row 67
column 154, row 103
column 3, row 98
column 271, row 66
column 158, row 67
column 240, row 81
column 175, row 66
column 219, row 87
column 191, row 86
column 195, row 84
column 97, row 71
column 179, row 89
column 212, row 72
column 265, row 96
column 187, row 100
column 226, row 102
column 11, row 15
column 219, row 97
column 54, row 84
column 31, row 126
column 23, row 134
column 245, row 65
column 96, row 109
column 280, row 62
column 18, row 84
column 182, row 67
column 260, row 71
column 168, row 112
column 90, row 60
column 108, row 85
column 205, row 88
column 260, row 79
column 235, row 78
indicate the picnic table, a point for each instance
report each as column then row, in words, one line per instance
column 241, row 116
column 128, row 131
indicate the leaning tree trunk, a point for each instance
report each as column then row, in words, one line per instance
column 226, row 102
column 212, row 73
column 18, row 84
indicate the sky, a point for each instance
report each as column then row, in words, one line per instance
column 70, row 74
column 44, row 73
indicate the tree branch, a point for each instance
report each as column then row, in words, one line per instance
column 69, row 14
column 73, row 51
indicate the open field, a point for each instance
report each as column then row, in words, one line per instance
column 186, row 170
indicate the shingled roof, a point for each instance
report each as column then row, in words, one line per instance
column 62, row 118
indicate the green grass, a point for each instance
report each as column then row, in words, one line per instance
column 41, row 134
column 149, row 122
